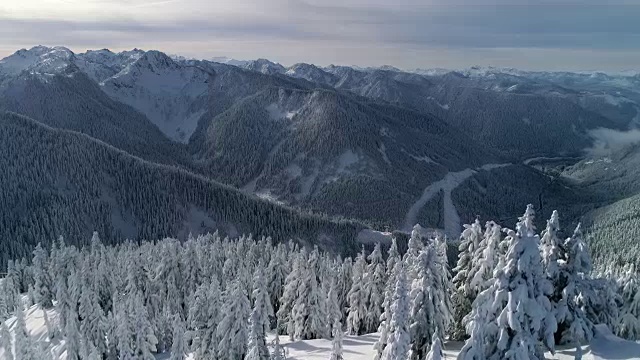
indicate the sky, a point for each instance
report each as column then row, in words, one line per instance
column 526, row 34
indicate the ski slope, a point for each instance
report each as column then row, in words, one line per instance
column 604, row 346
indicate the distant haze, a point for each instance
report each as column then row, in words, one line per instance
column 526, row 34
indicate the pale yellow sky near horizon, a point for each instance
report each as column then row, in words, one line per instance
column 526, row 34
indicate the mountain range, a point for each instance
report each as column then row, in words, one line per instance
column 384, row 147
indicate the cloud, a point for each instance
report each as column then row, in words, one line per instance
column 608, row 141
column 502, row 31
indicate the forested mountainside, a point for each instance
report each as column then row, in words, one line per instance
column 520, row 117
column 614, row 232
column 69, row 99
column 326, row 149
column 385, row 146
column 615, row 175
column 58, row 182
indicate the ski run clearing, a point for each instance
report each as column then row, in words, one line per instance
column 604, row 346
column 451, row 181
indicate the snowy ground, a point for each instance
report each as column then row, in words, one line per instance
column 604, row 346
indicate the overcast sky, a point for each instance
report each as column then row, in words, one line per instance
column 533, row 34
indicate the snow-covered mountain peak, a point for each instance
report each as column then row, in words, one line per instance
column 310, row 72
column 230, row 61
column 265, row 66
column 38, row 60
column 103, row 64
column 172, row 94
column 157, row 62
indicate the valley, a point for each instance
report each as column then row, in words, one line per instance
column 379, row 146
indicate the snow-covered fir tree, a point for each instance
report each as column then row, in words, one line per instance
column 336, row 343
column 93, row 324
column 4, row 310
column 334, row 312
column 179, row 345
column 393, row 262
column 145, row 340
column 205, row 315
column 43, row 285
column 232, row 329
column 276, row 274
column 375, row 284
column 72, row 336
column 430, row 309
column 123, row 330
column 344, row 285
column 628, row 325
column 290, row 295
column 465, row 294
column 358, row 297
column 5, row 341
column 399, row 338
column 518, row 301
column 435, row 353
column 414, row 246
column 575, row 287
column 308, row 309
column 279, row 352
column 259, row 318
column 24, row 345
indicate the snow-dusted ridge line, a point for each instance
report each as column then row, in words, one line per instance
column 451, row 181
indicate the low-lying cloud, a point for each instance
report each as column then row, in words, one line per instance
column 608, row 141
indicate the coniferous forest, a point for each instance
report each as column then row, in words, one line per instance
column 514, row 293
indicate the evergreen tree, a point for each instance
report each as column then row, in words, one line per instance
column 470, row 243
column 308, row 310
column 336, row 344
column 574, row 327
column 393, row 262
column 179, row 346
column 629, row 322
column 123, row 331
column 5, row 340
column 344, row 285
column 72, row 336
column 276, row 273
column 4, row 310
column 145, row 341
column 209, row 313
column 429, row 308
column 552, row 250
column 517, row 301
column 260, row 318
column 278, row 351
column 399, row 341
column 414, row 247
column 197, row 318
column 375, row 288
column 93, row 325
column 357, row 296
column 43, row 284
column 435, row 353
column 232, row 329
column 290, row 295
column 333, row 307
